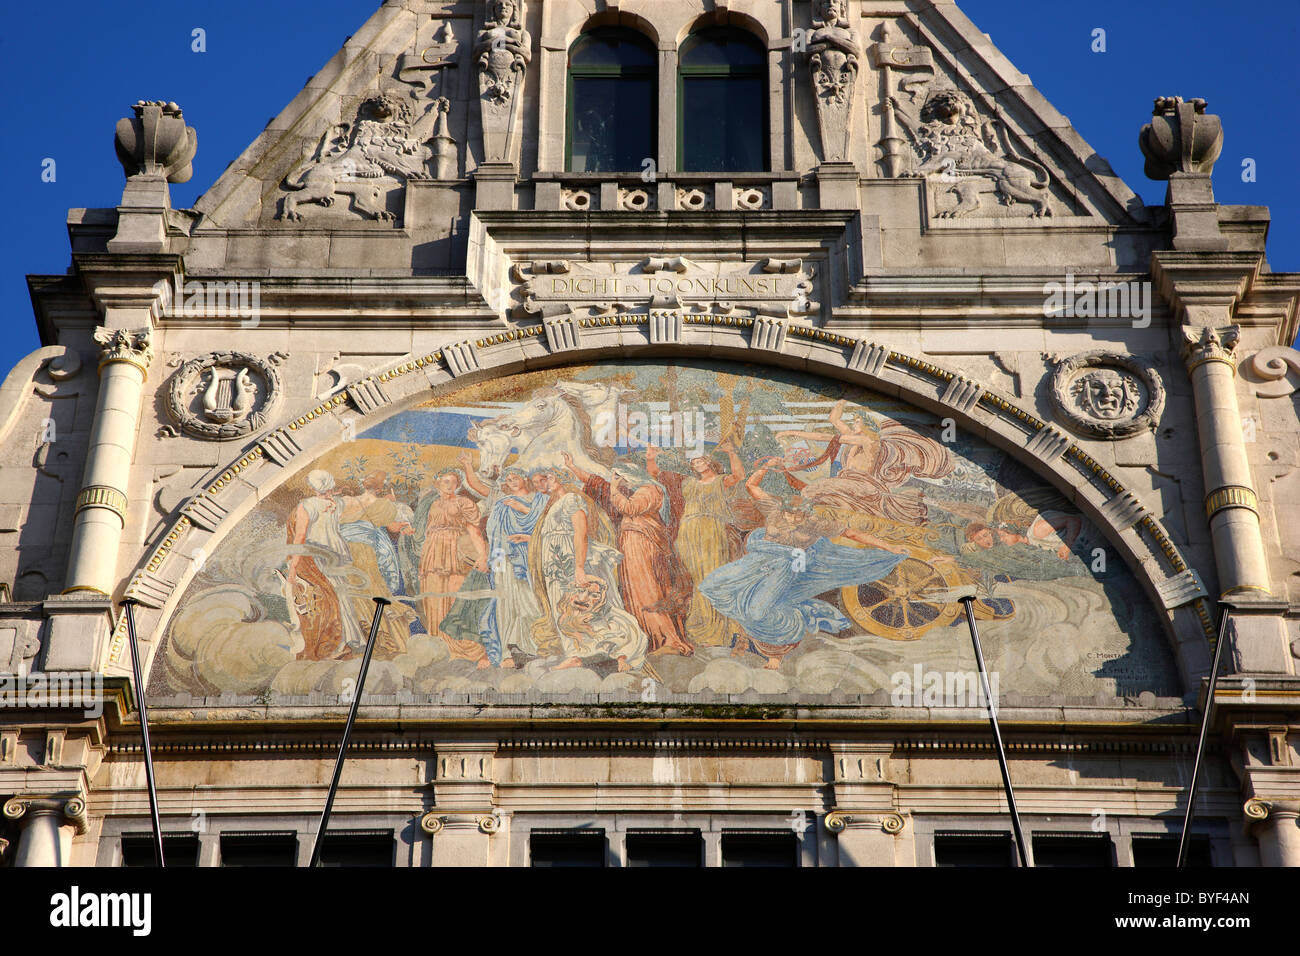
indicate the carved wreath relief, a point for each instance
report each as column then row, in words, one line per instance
column 1106, row 394
column 224, row 395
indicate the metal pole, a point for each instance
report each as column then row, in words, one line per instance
column 1224, row 608
column 128, row 607
column 380, row 604
column 968, row 601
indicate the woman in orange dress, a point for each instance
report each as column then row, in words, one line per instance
column 655, row 585
column 449, row 516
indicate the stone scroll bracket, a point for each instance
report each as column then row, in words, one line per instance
column 763, row 340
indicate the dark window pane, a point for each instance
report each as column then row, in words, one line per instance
column 722, row 48
column 973, row 849
column 612, row 124
column 681, row 848
column 259, row 849
column 1073, row 849
column 612, row 49
column 760, row 849
column 179, row 849
column 357, row 849
column 1159, row 850
column 724, row 124
column 567, row 847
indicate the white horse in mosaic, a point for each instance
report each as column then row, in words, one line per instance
column 552, row 423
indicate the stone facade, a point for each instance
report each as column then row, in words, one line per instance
column 929, row 237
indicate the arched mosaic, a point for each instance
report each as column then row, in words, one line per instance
column 654, row 531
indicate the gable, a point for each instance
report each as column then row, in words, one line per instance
column 413, row 98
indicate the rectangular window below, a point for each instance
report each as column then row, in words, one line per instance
column 974, row 849
column 1162, row 850
column 179, row 849
column 357, row 848
column 773, row 848
column 1073, row 849
column 259, row 849
column 665, row 848
column 566, row 848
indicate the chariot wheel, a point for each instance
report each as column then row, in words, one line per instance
column 901, row 606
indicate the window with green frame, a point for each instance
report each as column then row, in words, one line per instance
column 722, row 103
column 611, row 123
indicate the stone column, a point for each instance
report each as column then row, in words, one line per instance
column 1231, row 506
column 464, row 823
column 866, row 839
column 1277, row 827
column 461, row 839
column 48, row 825
column 101, row 505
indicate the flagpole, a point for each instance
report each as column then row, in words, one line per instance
column 968, row 601
column 1224, row 608
column 380, row 604
column 128, row 607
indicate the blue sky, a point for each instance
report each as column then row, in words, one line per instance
column 73, row 69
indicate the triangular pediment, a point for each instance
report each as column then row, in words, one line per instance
column 410, row 95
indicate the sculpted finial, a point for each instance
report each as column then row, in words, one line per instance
column 156, row 141
column 1181, row 138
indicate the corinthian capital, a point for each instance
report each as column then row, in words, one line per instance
column 134, row 347
column 1209, row 344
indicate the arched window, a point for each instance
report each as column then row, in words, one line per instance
column 612, row 121
column 722, row 102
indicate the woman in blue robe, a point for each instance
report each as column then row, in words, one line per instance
column 771, row 591
column 497, row 609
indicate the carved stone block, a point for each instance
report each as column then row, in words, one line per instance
column 1123, row 510
column 461, row 358
column 280, row 446
column 962, row 393
column 205, row 513
column 562, row 332
column 1048, row 444
column 868, row 358
column 368, row 395
column 1181, row 589
column 768, row 333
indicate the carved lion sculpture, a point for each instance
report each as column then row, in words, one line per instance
column 353, row 156
column 954, row 144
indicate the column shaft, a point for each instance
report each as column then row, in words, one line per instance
column 1231, row 505
column 101, row 505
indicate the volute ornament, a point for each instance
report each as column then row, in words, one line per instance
column 224, row 395
column 1106, row 394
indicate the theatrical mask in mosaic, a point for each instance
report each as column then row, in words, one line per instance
column 655, row 532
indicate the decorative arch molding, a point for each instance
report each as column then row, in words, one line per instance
column 721, row 16
column 614, row 18
column 273, row 457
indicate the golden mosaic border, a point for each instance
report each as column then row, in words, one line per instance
column 1230, row 496
column 102, row 496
